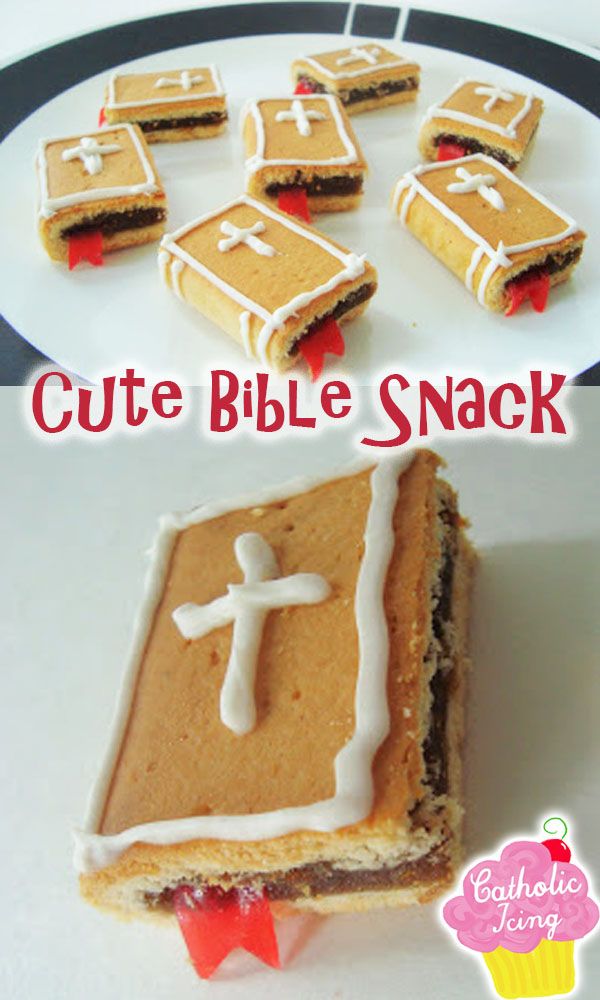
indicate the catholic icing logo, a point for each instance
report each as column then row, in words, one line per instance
column 523, row 914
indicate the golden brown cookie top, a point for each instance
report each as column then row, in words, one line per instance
column 306, row 129
column 94, row 165
column 134, row 90
column 357, row 61
column 500, row 110
column 315, row 692
column 268, row 263
column 488, row 203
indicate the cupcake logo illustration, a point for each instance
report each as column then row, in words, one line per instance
column 524, row 912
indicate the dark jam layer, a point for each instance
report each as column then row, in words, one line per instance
column 553, row 263
column 323, row 878
column 355, row 298
column 474, row 146
column 319, row 186
column 434, row 745
column 116, row 222
column 193, row 121
column 358, row 94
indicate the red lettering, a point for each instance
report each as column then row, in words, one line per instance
column 333, row 393
column 496, row 400
column 263, row 406
column 540, row 401
column 85, row 399
column 37, row 403
column 129, row 382
column 295, row 420
column 471, row 413
column 166, row 392
column 395, row 414
column 443, row 407
column 221, row 402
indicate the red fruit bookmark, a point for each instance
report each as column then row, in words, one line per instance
column 534, row 287
column 450, row 151
column 326, row 339
column 302, row 87
column 295, row 202
column 559, row 851
column 86, row 246
column 214, row 922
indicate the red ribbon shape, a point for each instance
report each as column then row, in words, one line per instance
column 101, row 118
column 534, row 286
column 86, row 246
column 450, row 151
column 326, row 339
column 214, row 922
column 303, row 87
column 295, row 202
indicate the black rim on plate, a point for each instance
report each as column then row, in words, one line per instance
column 31, row 82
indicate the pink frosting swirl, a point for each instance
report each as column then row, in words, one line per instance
column 521, row 899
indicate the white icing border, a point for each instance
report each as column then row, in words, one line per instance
column 498, row 256
column 350, row 74
column 353, row 267
column 113, row 105
column 258, row 159
column 50, row 206
column 507, row 131
column 353, row 797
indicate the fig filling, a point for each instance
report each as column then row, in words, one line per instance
column 324, row 878
column 553, row 263
column 192, row 121
column 358, row 94
column 355, row 298
column 116, row 222
column 434, row 745
column 471, row 146
column 319, row 186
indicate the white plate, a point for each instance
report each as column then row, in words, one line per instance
column 95, row 321
column 81, row 517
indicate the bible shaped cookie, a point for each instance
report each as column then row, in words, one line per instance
column 291, row 720
column 364, row 77
column 170, row 106
column 505, row 241
column 269, row 281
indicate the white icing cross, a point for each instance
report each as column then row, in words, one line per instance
column 482, row 183
column 360, row 55
column 301, row 116
column 494, row 94
column 90, row 153
column 247, row 605
column 235, row 236
column 184, row 80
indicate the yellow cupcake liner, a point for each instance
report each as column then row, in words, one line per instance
column 546, row 971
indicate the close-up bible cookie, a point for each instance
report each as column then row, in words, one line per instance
column 302, row 154
column 98, row 192
column 169, row 106
column 271, row 282
column 364, row 77
column 506, row 242
column 290, row 729
column 479, row 117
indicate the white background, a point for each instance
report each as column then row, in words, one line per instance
column 31, row 24
column 78, row 518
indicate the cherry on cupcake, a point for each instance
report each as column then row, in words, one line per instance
column 559, row 851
